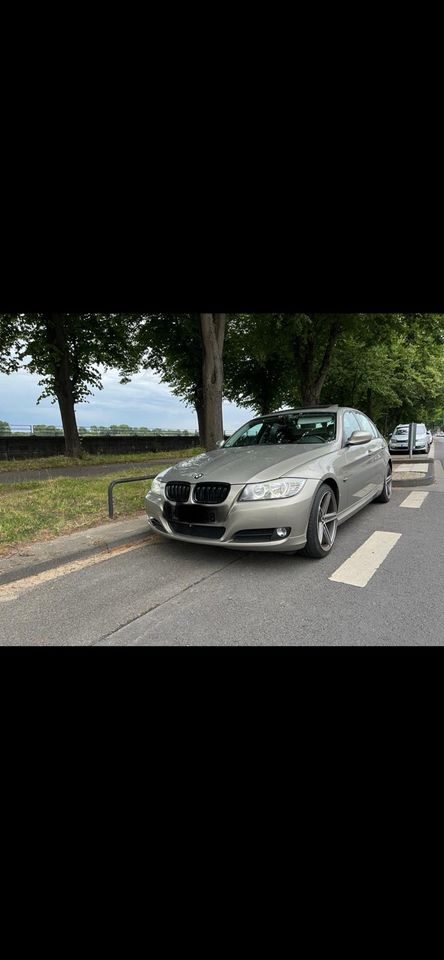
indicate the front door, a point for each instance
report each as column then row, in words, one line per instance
column 357, row 471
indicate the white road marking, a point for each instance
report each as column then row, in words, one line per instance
column 414, row 500
column 11, row 591
column 364, row 562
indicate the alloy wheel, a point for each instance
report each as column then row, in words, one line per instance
column 327, row 522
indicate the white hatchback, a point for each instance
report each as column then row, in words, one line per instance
column 399, row 440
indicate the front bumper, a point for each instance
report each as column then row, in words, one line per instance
column 234, row 516
column 404, row 448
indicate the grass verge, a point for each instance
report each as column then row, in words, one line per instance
column 41, row 509
column 89, row 460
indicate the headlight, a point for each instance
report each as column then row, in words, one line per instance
column 273, row 490
column 157, row 485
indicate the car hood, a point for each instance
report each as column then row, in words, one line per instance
column 242, row 464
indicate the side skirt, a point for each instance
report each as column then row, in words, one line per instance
column 346, row 514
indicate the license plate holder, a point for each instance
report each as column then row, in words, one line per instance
column 192, row 513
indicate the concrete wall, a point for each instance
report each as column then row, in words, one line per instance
column 20, row 448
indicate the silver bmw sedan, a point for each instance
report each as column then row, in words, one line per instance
column 284, row 481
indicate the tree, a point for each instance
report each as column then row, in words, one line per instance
column 259, row 372
column 171, row 344
column 66, row 350
column 392, row 368
column 279, row 359
column 213, row 334
column 5, row 429
column 187, row 351
column 314, row 338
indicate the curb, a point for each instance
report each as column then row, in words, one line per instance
column 421, row 481
column 33, row 566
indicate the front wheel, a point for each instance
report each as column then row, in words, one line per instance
column 323, row 523
column 386, row 493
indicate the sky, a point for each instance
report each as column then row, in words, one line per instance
column 144, row 402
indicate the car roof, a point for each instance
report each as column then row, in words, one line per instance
column 326, row 408
column 405, row 426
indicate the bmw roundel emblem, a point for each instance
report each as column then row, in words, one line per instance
column 197, row 476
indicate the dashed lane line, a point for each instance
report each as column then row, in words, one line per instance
column 358, row 569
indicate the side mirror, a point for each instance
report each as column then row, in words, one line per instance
column 359, row 436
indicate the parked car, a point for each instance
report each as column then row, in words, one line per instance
column 399, row 439
column 430, row 437
column 282, row 482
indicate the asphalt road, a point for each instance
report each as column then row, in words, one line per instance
column 439, row 449
column 165, row 593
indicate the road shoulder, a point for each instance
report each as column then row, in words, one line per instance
column 27, row 559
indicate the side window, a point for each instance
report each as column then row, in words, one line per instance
column 350, row 425
column 366, row 424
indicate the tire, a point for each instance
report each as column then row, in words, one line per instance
column 321, row 533
column 386, row 493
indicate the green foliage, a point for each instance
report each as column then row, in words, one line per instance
column 171, row 345
column 43, row 430
column 393, row 369
column 281, row 359
column 92, row 339
column 258, row 367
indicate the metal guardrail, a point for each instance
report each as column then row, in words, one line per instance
column 32, row 430
column 122, row 480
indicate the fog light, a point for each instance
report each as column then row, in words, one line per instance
column 282, row 531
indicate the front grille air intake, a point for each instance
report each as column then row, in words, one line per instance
column 177, row 492
column 211, row 492
column 197, row 530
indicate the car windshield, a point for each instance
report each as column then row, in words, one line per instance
column 401, row 431
column 313, row 428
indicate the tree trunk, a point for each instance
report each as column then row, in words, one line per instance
column 63, row 383
column 369, row 410
column 200, row 422
column 310, row 394
column 72, row 440
column 213, row 333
